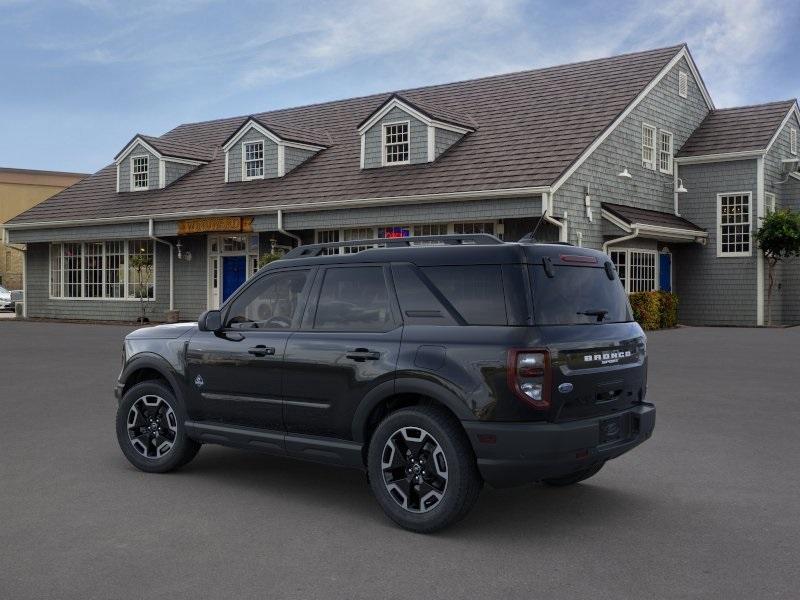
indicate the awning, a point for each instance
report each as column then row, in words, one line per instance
column 653, row 224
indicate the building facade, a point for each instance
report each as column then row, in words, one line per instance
column 626, row 154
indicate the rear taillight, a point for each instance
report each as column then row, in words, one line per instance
column 529, row 376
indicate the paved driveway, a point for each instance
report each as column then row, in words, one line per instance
column 709, row 508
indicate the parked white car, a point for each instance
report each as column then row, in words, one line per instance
column 5, row 299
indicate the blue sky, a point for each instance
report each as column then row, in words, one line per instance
column 79, row 78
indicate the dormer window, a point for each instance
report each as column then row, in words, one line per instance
column 395, row 143
column 253, row 160
column 140, row 177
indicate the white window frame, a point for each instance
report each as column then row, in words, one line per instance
column 82, row 284
column 720, row 253
column 626, row 281
column 133, row 185
column 668, row 154
column 793, row 140
column 651, row 164
column 407, row 123
column 263, row 160
column 683, row 84
column 770, row 201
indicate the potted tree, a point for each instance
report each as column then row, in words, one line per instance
column 142, row 266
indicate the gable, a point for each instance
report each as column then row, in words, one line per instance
column 124, row 168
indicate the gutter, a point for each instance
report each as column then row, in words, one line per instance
column 619, row 240
column 287, row 233
column 151, row 235
column 546, row 210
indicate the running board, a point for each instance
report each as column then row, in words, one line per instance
column 306, row 447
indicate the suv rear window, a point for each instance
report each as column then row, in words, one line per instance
column 577, row 295
column 475, row 291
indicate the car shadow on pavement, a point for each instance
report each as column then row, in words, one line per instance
column 511, row 512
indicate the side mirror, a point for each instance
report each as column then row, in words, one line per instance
column 211, row 320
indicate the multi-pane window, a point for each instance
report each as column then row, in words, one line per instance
column 253, row 160
column 395, row 143
column 636, row 269
column 465, row 228
column 683, row 84
column 103, row 270
column 648, row 146
column 356, row 233
column 770, row 201
column 733, row 237
column 328, row 236
column 792, row 140
column 665, row 152
column 433, row 229
column 140, row 172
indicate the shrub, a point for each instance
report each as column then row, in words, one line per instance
column 669, row 309
column 646, row 309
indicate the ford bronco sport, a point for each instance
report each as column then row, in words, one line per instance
column 434, row 364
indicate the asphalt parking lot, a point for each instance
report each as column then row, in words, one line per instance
column 709, row 508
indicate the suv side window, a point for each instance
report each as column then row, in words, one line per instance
column 475, row 291
column 354, row 299
column 272, row 302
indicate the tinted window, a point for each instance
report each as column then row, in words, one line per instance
column 272, row 302
column 476, row 292
column 418, row 303
column 572, row 292
column 354, row 299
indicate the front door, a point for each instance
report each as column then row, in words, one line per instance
column 665, row 272
column 234, row 272
column 348, row 344
column 236, row 373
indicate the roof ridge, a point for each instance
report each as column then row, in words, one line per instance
column 758, row 105
column 437, row 85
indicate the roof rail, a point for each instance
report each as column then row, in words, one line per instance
column 478, row 239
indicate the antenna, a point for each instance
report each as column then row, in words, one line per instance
column 531, row 237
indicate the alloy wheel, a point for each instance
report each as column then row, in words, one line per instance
column 414, row 469
column 152, row 426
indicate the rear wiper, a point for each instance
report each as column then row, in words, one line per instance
column 599, row 313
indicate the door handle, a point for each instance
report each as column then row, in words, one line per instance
column 261, row 350
column 362, row 354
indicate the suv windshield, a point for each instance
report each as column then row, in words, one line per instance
column 577, row 295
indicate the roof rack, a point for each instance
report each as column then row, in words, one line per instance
column 477, row 239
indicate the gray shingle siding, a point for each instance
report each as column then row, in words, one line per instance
column 93, row 232
column 190, row 289
column 443, row 140
column 174, row 171
column 786, row 288
column 418, row 138
column 270, row 156
column 294, row 157
column 648, row 189
column 125, row 169
column 714, row 290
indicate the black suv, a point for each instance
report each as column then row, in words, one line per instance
column 434, row 364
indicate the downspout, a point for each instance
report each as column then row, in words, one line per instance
column 675, row 187
column 619, row 240
column 286, row 233
column 151, row 235
column 547, row 200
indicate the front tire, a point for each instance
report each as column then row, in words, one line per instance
column 150, row 428
column 422, row 469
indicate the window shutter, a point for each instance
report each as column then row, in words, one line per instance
column 683, row 84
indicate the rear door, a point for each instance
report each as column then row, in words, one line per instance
column 347, row 346
column 597, row 351
column 236, row 374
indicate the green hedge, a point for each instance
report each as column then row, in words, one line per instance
column 655, row 310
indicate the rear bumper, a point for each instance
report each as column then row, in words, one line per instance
column 516, row 453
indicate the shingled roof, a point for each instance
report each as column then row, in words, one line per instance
column 641, row 216
column 173, row 148
column 530, row 127
column 740, row 129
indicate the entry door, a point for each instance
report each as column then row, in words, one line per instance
column 235, row 374
column 234, row 272
column 665, row 271
column 348, row 344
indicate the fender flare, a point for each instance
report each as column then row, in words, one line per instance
column 149, row 360
column 410, row 385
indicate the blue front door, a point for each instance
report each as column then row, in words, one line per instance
column 233, row 274
column 665, row 272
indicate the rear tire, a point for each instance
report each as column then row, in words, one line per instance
column 150, row 428
column 422, row 469
column 575, row 477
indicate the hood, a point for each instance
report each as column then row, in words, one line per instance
column 162, row 332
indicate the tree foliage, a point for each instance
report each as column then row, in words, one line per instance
column 778, row 237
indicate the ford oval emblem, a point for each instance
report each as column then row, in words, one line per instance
column 565, row 388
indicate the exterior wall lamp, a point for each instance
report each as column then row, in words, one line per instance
column 680, row 189
column 187, row 256
column 624, row 173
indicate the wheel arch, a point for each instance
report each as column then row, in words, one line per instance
column 147, row 367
